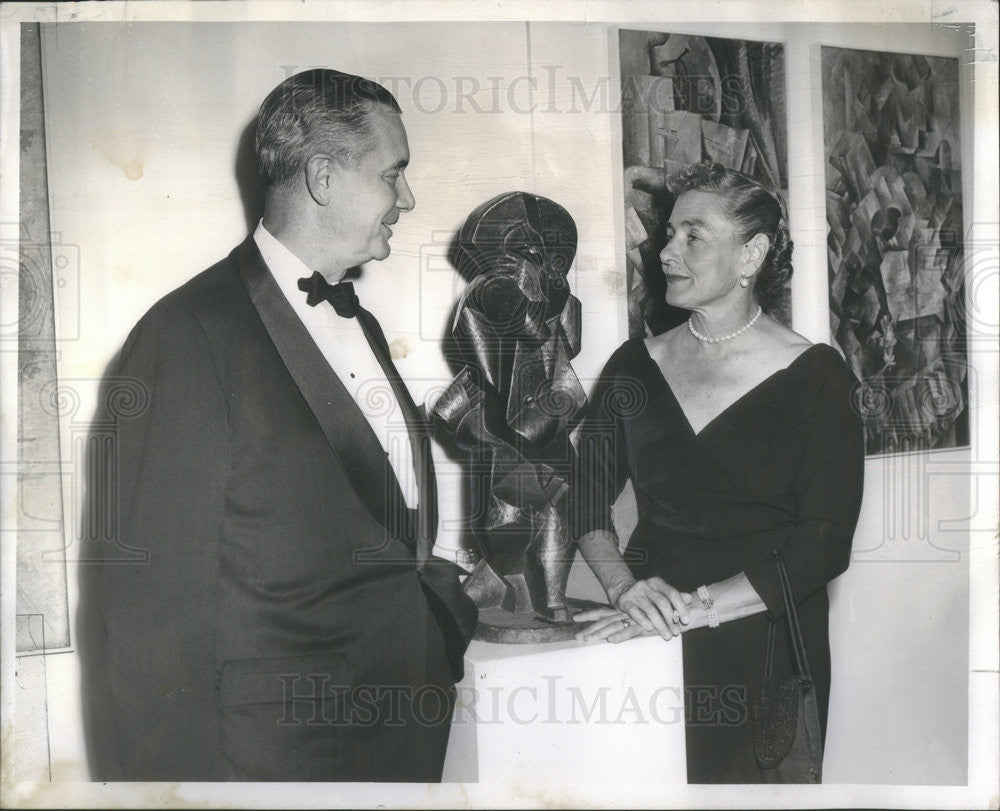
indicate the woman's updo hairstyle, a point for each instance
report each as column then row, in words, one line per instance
column 755, row 208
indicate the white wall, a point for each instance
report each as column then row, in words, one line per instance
column 143, row 122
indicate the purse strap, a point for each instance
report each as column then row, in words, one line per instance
column 794, row 631
column 769, row 652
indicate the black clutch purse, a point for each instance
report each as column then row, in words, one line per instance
column 787, row 737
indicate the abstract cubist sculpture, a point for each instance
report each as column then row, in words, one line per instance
column 512, row 407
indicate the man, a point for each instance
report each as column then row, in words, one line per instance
column 289, row 622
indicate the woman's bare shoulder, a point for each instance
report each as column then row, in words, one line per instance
column 782, row 342
column 665, row 343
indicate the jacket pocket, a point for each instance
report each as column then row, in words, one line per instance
column 276, row 680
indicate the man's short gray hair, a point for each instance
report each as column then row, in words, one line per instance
column 318, row 110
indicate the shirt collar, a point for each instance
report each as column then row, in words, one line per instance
column 286, row 269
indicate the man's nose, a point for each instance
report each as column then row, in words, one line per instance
column 405, row 200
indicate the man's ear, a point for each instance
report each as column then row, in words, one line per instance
column 756, row 249
column 319, row 178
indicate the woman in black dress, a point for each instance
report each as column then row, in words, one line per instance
column 739, row 439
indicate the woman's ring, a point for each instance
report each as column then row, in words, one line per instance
column 626, row 622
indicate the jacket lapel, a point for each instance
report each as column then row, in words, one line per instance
column 357, row 448
column 346, row 430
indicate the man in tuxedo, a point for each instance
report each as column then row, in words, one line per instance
column 280, row 615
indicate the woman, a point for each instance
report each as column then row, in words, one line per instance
column 739, row 439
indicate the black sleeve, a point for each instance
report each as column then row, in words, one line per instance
column 828, row 489
column 158, row 590
column 601, row 469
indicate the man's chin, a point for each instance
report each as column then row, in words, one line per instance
column 381, row 252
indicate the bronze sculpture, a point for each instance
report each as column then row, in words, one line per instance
column 512, row 408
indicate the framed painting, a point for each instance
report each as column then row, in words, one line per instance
column 894, row 214
column 687, row 99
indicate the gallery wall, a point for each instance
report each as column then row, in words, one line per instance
column 148, row 183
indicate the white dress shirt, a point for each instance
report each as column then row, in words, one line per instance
column 343, row 344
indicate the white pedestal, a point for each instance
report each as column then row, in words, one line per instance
column 570, row 712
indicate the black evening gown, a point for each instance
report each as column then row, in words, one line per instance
column 781, row 468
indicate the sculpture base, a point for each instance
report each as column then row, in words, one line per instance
column 527, row 627
column 556, row 719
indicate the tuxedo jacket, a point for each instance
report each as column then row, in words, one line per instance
column 267, row 621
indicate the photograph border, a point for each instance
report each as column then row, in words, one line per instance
column 984, row 682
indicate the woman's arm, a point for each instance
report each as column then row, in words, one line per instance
column 599, row 475
column 828, row 490
column 732, row 599
column 653, row 605
column 600, row 550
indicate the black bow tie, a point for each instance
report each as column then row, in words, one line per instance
column 341, row 295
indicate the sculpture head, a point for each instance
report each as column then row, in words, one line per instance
column 520, row 226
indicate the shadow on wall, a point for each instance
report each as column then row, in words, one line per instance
column 247, row 179
column 98, row 547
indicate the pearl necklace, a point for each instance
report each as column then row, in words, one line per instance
column 706, row 340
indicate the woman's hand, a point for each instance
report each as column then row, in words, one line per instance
column 608, row 624
column 655, row 605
